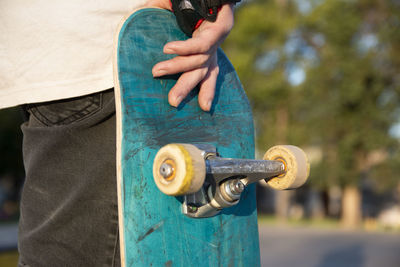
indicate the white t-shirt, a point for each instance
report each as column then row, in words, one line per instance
column 57, row 49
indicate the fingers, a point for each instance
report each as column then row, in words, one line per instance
column 184, row 85
column 196, row 45
column 207, row 37
column 180, row 64
column 208, row 85
column 207, row 77
column 196, row 59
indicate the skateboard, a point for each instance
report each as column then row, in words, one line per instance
column 186, row 177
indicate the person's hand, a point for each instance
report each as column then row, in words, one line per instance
column 164, row 4
column 197, row 58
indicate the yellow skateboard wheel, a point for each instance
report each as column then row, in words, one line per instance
column 297, row 167
column 179, row 169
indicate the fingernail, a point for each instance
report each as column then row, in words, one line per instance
column 168, row 50
column 178, row 100
column 208, row 105
column 158, row 73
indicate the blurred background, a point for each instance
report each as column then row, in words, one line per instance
column 320, row 74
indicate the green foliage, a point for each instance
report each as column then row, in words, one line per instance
column 349, row 52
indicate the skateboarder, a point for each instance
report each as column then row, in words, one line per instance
column 55, row 57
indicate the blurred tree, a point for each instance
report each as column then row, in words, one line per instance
column 256, row 49
column 325, row 74
column 352, row 94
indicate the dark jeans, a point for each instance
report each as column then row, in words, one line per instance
column 69, row 214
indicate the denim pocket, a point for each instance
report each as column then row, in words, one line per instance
column 66, row 111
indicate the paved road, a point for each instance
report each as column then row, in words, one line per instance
column 8, row 237
column 303, row 247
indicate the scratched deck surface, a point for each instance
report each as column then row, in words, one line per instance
column 154, row 231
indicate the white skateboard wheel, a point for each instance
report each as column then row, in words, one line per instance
column 297, row 167
column 179, row 169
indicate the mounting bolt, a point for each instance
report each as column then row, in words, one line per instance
column 166, row 170
column 236, row 187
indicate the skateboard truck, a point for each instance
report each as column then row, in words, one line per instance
column 209, row 183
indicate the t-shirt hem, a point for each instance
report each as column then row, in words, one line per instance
column 44, row 93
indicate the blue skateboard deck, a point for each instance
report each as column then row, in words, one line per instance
column 153, row 230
